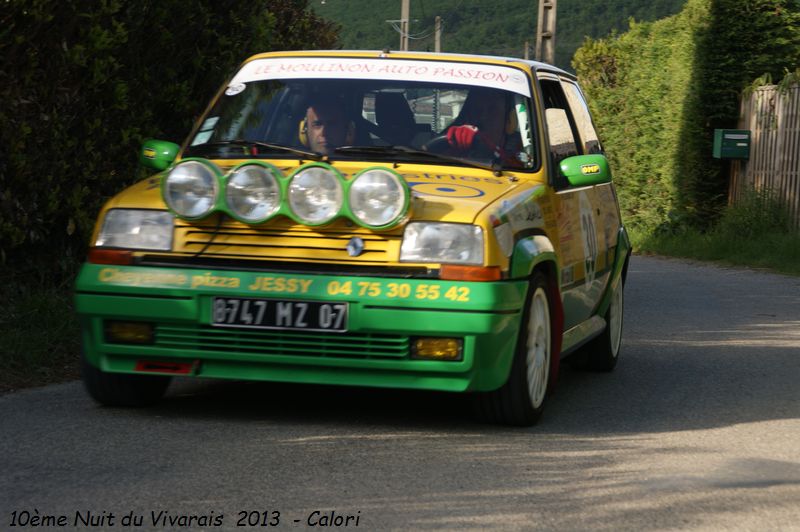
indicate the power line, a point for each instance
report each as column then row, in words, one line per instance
column 402, row 25
column 416, row 36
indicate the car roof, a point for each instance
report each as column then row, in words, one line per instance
column 533, row 65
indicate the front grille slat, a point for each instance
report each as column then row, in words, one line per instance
column 262, row 338
column 286, row 241
column 288, row 343
column 293, row 266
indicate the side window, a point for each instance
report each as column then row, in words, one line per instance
column 583, row 120
column 248, row 118
column 562, row 141
column 560, row 130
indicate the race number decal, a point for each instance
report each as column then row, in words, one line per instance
column 589, row 231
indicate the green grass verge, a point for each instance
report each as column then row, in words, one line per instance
column 39, row 337
column 779, row 252
column 756, row 232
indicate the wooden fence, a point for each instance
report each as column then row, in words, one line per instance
column 773, row 119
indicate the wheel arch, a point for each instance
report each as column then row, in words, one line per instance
column 535, row 253
column 619, row 272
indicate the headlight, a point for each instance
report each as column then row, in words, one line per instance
column 190, row 189
column 378, row 198
column 442, row 242
column 252, row 193
column 136, row 229
column 315, row 195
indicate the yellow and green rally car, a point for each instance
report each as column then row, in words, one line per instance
column 406, row 220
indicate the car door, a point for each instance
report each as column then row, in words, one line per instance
column 582, row 238
column 607, row 206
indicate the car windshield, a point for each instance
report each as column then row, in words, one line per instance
column 306, row 113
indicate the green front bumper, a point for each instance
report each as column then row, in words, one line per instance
column 384, row 315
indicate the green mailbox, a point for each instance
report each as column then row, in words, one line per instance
column 731, row 143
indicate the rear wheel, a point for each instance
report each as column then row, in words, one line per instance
column 520, row 401
column 602, row 353
column 118, row 389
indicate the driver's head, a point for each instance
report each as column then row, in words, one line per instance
column 326, row 125
column 486, row 109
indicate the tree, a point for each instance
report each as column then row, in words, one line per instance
column 660, row 89
column 82, row 83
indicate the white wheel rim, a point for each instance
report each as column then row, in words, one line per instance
column 538, row 348
column 615, row 320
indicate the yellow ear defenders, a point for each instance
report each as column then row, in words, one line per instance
column 302, row 134
column 349, row 137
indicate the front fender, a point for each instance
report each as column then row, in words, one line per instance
column 530, row 252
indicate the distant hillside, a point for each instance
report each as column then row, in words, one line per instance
column 486, row 27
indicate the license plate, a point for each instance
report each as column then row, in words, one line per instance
column 278, row 314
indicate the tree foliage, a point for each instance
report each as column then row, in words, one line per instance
column 499, row 28
column 660, row 89
column 83, row 82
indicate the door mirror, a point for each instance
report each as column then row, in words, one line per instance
column 586, row 170
column 158, row 154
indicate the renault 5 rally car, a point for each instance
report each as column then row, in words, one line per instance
column 405, row 220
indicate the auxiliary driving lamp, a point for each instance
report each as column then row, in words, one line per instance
column 437, row 348
column 128, row 332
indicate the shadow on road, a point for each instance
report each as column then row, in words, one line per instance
column 312, row 404
column 695, row 429
column 704, row 347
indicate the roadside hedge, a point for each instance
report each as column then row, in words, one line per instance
column 659, row 90
column 83, row 82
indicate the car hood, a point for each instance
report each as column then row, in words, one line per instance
column 439, row 193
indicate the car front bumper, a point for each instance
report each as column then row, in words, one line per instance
column 385, row 315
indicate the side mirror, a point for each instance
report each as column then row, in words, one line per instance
column 586, row 170
column 158, row 154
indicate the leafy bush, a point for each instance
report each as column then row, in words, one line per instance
column 659, row 90
column 755, row 232
column 39, row 340
column 82, row 83
column 756, row 213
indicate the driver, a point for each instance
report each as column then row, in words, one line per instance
column 325, row 126
column 483, row 119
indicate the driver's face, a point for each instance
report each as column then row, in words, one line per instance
column 327, row 129
column 490, row 117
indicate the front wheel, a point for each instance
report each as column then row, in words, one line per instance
column 520, row 401
column 117, row 389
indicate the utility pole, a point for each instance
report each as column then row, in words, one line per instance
column 437, row 37
column 546, row 32
column 404, row 23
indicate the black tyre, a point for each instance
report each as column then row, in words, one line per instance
column 520, row 401
column 118, row 389
column 602, row 353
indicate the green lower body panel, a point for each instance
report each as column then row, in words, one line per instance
column 374, row 346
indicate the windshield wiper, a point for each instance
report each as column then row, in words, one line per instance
column 406, row 150
column 256, row 144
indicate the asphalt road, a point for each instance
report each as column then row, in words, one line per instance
column 698, row 428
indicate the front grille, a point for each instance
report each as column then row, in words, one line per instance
column 245, row 265
column 285, row 343
column 285, row 240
